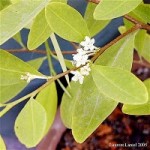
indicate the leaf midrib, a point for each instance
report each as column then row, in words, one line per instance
column 117, row 86
column 110, row 12
column 66, row 23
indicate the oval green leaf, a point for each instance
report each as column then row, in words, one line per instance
column 67, row 104
column 4, row 4
column 61, row 19
column 13, row 19
column 146, row 48
column 11, row 73
column 30, row 124
column 90, row 110
column 143, row 109
column 86, row 109
column 48, row 99
column 36, row 63
column 119, row 55
column 39, row 32
column 107, row 9
column 94, row 26
column 140, row 40
column 143, row 11
column 120, row 85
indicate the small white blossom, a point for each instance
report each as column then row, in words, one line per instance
column 77, row 77
column 81, row 51
column 29, row 77
column 88, row 44
column 85, row 70
column 80, row 59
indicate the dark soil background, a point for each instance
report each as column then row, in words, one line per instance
column 118, row 128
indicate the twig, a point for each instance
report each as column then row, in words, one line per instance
column 141, row 63
column 39, row 51
column 74, row 45
column 94, row 1
column 133, row 29
column 133, row 20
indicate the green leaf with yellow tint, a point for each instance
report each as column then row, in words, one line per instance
column 31, row 123
column 143, row 109
column 64, row 24
column 39, row 31
column 13, row 19
column 11, row 75
column 91, row 108
column 94, row 26
column 36, row 63
column 119, row 55
column 120, row 85
column 107, row 9
column 48, row 99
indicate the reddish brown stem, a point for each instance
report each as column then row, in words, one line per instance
column 133, row 29
column 133, row 20
column 40, row 51
column 94, row 1
column 142, row 63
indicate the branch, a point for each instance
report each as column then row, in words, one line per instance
column 145, row 64
column 133, row 29
column 39, row 51
column 141, row 24
column 94, row 1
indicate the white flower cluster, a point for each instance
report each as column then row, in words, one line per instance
column 82, row 58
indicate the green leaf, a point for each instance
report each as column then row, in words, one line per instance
column 67, row 104
column 146, row 49
column 48, row 99
column 68, row 64
column 70, row 107
column 69, row 25
column 15, row 1
column 119, row 55
column 106, row 10
column 13, row 19
column 140, row 40
column 2, row 144
column 143, row 109
column 142, row 44
column 11, row 75
column 94, row 26
column 39, row 32
column 83, row 99
column 30, row 124
column 143, row 11
column 36, row 63
column 4, row 4
column 17, row 38
column 122, row 29
column 90, row 110
column 120, row 85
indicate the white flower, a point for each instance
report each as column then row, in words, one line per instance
column 85, row 70
column 29, row 77
column 77, row 77
column 80, row 59
column 81, row 51
column 88, row 44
